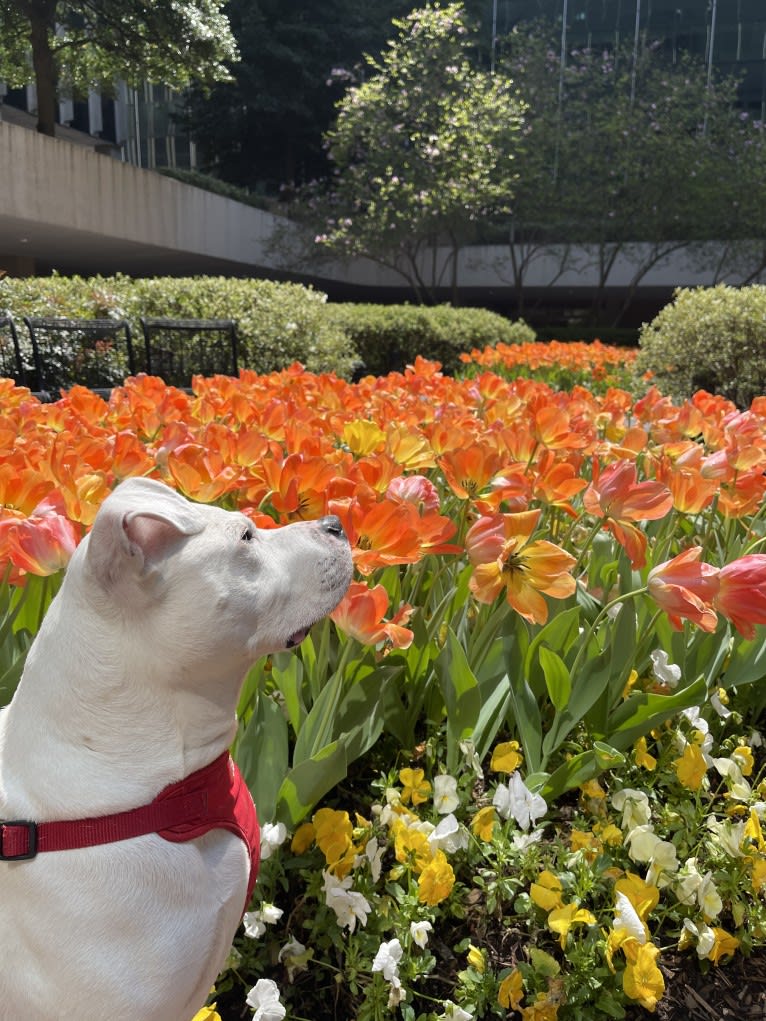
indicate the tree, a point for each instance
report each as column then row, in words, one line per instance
column 263, row 130
column 94, row 42
column 422, row 150
column 626, row 156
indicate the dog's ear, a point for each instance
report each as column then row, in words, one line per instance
column 135, row 527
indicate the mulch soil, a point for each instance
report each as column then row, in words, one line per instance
column 735, row 991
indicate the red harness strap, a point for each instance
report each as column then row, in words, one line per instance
column 215, row 797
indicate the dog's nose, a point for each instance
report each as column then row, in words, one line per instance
column 332, row 524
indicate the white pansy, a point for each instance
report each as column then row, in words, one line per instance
column 454, row 1013
column 395, row 993
column 523, row 841
column 687, row 882
column 705, row 940
column 254, row 924
column 663, row 862
column 641, row 842
column 445, row 794
column 419, row 932
column 517, row 800
column 728, row 834
column 449, row 836
column 719, row 707
column 349, row 905
column 273, row 835
column 387, row 959
column 295, row 957
column 665, row 672
column 626, row 917
column 470, row 757
column 374, row 856
column 708, row 898
column 634, row 806
column 264, row 999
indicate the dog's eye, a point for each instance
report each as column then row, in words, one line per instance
column 247, row 535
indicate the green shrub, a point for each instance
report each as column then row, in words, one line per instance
column 708, row 338
column 277, row 323
column 388, row 337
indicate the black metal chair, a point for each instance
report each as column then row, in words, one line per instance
column 177, row 349
column 11, row 362
column 97, row 353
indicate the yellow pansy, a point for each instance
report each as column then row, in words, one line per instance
column 593, row 797
column 630, row 683
column 436, row 880
column 476, row 958
column 608, row 834
column 543, row 1009
column 483, row 823
column 758, row 875
column 207, row 1014
column 743, row 756
column 506, row 757
column 546, row 892
column 582, row 840
column 724, row 946
column 416, row 787
column 642, row 895
column 641, row 756
column 411, row 847
column 562, row 919
column 691, row 767
column 332, row 832
column 642, row 980
column 303, row 838
column 511, row 990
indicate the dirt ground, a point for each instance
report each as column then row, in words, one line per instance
column 732, row 992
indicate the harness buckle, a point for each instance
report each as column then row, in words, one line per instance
column 18, row 824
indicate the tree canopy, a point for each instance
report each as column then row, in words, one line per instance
column 92, row 43
column 422, row 150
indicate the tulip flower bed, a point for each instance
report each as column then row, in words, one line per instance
column 520, row 770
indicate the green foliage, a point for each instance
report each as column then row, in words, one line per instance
column 277, row 323
column 423, row 150
column 389, row 337
column 709, row 338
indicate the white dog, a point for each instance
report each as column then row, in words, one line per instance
column 131, row 686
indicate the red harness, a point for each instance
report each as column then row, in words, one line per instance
column 215, row 797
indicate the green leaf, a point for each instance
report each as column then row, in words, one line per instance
column 642, row 712
column 262, row 754
column 747, row 664
column 307, row 783
column 462, row 696
column 557, row 679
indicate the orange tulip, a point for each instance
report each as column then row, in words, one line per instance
column 742, row 592
column 618, row 497
column 684, row 587
column 505, row 558
column 361, row 615
column 41, row 544
column 380, row 533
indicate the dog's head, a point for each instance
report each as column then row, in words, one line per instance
column 207, row 581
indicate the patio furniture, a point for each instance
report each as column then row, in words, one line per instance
column 97, row 353
column 11, row 363
column 177, row 349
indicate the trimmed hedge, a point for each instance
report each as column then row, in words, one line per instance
column 389, row 337
column 708, row 338
column 277, row 323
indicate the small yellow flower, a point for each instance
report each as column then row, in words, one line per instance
column 725, row 945
column 436, row 880
column 758, row 875
column 691, row 767
column 511, row 990
column 333, row 832
column 543, row 1009
column 629, row 684
column 416, row 788
column 743, row 756
column 562, row 919
column 483, row 823
column 476, row 958
column 641, row 756
column 582, row 840
column 642, row 980
column 608, row 834
column 593, row 797
column 303, row 838
column 411, row 847
column 546, row 892
column 207, row 1014
column 506, row 757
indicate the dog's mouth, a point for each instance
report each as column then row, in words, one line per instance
column 297, row 637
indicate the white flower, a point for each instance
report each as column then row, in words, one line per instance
column 349, row 905
column 517, row 800
column 255, row 922
column 634, row 806
column 387, row 959
column 665, row 672
column 664, row 860
column 687, row 882
column 273, row 835
column 454, row 1013
column 703, row 936
column 445, row 794
column 374, row 856
column 295, row 957
column 626, row 917
column 523, row 841
column 449, row 835
column 728, row 834
column 264, row 999
column 719, row 707
column 707, row 897
column 470, row 757
column 419, row 932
